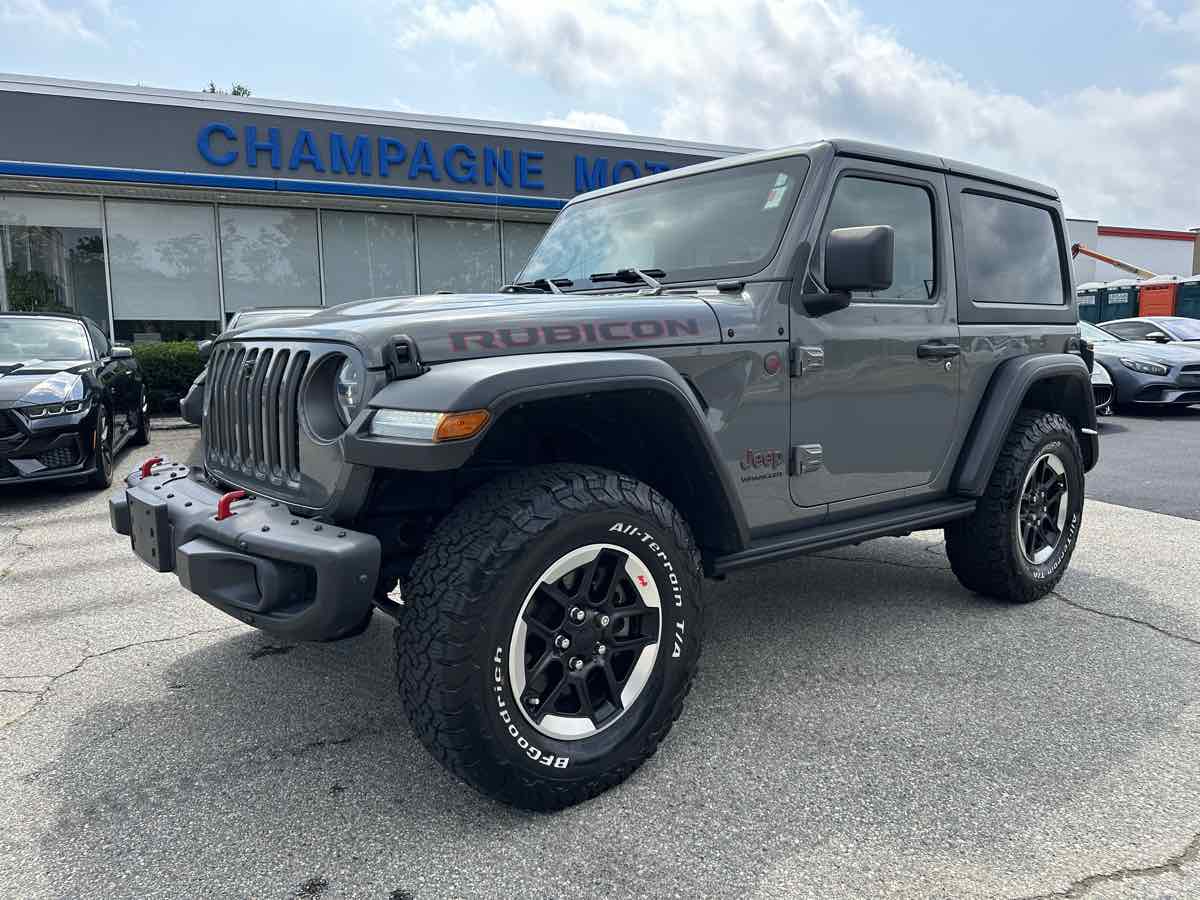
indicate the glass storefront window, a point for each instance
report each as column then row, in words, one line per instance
column 519, row 240
column 52, row 256
column 163, row 266
column 367, row 255
column 458, row 255
column 269, row 257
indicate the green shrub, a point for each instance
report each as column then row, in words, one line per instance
column 169, row 369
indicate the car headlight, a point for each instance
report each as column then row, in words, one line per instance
column 348, row 390
column 433, row 427
column 54, row 409
column 1146, row 368
column 62, row 387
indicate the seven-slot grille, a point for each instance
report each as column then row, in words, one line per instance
column 250, row 421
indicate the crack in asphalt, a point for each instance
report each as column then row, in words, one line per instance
column 54, row 679
column 1173, row 864
column 25, row 549
column 1133, row 620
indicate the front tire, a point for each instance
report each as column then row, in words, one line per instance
column 1017, row 544
column 141, row 437
column 101, row 478
column 550, row 632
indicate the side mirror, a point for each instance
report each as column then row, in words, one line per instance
column 1158, row 337
column 856, row 259
column 119, row 352
column 204, row 348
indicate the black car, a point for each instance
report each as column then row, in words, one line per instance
column 1144, row 373
column 69, row 400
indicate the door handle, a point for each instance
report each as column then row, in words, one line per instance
column 938, row 350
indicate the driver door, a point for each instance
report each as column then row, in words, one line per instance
column 875, row 390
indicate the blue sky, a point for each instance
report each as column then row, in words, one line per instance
column 1054, row 90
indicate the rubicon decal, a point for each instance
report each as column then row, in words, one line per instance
column 568, row 334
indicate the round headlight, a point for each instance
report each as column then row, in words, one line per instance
column 348, row 391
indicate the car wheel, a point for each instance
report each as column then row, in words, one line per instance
column 141, row 436
column 1016, row 545
column 549, row 633
column 102, row 477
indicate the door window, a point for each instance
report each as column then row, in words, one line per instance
column 99, row 339
column 1131, row 331
column 908, row 208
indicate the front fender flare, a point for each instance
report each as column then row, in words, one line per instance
column 1010, row 384
column 498, row 384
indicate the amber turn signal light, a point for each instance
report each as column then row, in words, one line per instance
column 456, row 426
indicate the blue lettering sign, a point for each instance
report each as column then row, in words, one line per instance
column 304, row 150
column 528, row 169
column 204, row 143
column 466, row 172
column 356, row 160
column 422, row 161
column 589, row 179
column 497, row 166
column 391, row 153
column 625, row 165
column 255, row 147
column 653, row 167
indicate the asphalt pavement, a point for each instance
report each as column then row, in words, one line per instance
column 861, row 727
column 1150, row 461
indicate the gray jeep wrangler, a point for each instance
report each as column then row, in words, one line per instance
column 699, row 371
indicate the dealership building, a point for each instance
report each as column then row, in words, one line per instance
column 161, row 213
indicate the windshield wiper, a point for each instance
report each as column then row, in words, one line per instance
column 633, row 276
column 538, row 286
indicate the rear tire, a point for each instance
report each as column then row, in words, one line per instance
column 1016, row 545
column 483, row 678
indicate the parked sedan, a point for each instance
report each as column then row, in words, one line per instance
column 1159, row 329
column 1146, row 374
column 69, row 400
column 191, row 407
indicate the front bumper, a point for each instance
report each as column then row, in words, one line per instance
column 46, row 450
column 293, row 577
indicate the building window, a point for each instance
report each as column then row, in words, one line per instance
column 163, row 268
column 519, row 240
column 1012, row 252
column 52, row 251
column 269, row 257
column 458, row 255
column 367, row 255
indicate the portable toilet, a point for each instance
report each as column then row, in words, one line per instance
column 1156, row 296
column 1088, row 301
column 1187, row 297
column 1118, row 300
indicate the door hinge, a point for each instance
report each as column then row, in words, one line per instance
column 805, row 458
column 803, row 360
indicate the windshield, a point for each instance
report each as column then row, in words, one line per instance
column 713, row 224
column 24, row 339
column 1184, row 329
column 1097, row 335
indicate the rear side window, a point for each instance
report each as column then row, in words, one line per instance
column 1012, row 252
column 909, row 210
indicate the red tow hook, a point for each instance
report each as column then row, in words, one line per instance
column 227, row 500
column 150, row 464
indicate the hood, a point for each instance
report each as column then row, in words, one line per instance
column 1167, row 354
column 18, row 380
column 466, row 326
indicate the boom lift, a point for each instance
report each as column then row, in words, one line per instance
column 1076, row 249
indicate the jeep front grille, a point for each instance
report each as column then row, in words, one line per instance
column 251, row 424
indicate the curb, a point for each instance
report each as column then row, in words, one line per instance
column 173, row 424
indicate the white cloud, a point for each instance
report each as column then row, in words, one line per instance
column 587, row 121
column 86, row 21
column 775, row 72
column 1150, row 14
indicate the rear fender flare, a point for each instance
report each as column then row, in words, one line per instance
column 1006, row 393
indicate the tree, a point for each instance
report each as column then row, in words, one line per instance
column 238, row 89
